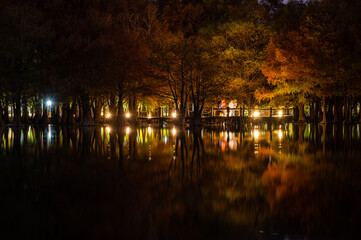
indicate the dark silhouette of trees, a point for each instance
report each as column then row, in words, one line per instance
column 120, row 56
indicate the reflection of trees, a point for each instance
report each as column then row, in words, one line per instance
column 85, row 140
column 17, row 145
column 180, row 148
column 2, row 135
column 197, row 152
column 314, row 193
column 201, row 185
column 132, row 143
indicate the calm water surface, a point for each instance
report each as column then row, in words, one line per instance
column 265, row 182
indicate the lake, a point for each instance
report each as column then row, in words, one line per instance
column 265, row 182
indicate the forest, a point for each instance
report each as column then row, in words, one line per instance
column 97, row 57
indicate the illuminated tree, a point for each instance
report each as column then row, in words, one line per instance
column 240, row 47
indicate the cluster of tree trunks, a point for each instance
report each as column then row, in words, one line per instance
column 329, row 110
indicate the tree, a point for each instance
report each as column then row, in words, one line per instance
column 241, row 48
column 24, row 38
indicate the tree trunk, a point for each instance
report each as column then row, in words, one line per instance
column 318, row 111
column 71, row 114
column 98, row 109
column 296, row 114
column 133, row 109
column 113, row 106
column 6, row 113
column 348, row 117
column 25, row 118
column 55, row 115
column 336, row 114
column 359, row 114
column 197, row 117
column 302, row 118
column 45, row 118
column 37, row 117
column 64, row 113
column 312, row 112
column 1, row 117
column 324, row 120
column 2, row 122
column 17, row 112
column 120, row 117
column 87, row 119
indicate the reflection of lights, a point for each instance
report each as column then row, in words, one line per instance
column 149, row 130
column 256, row 134
column 108, row 115
column 280, row 113
column 127, row 130
column 149, row 116
column 174, row 131
column 222, row 145
column 102, row 114
column 49, row 133
column 48, row 103
column 108, row 129
column 232, row 145
column 127, row 115
column 174, row 115
column 280, row 134
column 256, row 114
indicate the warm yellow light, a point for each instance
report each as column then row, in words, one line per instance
column 127, row 130
column 280, row 113
column 149, row 116
column 108, row 129
column 174, row 115
column 127, row 115
column 256, row 134
column 174, row 131
column 108, row 115
column 256, row 114
column 149, row 130
column 280, row 134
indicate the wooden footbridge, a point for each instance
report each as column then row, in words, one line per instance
column 229, row 116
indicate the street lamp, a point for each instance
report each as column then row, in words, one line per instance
column 127, row 115
column 280, row 113
column 174, row 115
column 48, row 103
column 256, row 114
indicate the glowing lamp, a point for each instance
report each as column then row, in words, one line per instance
column 280, row 113
column 149, row 116
column 108, row 115
column 256, row 114
column 174, row 115
column 127, row 115
column 48, row 103
column 108, row 129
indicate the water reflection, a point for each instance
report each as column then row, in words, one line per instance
column 283, row 181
